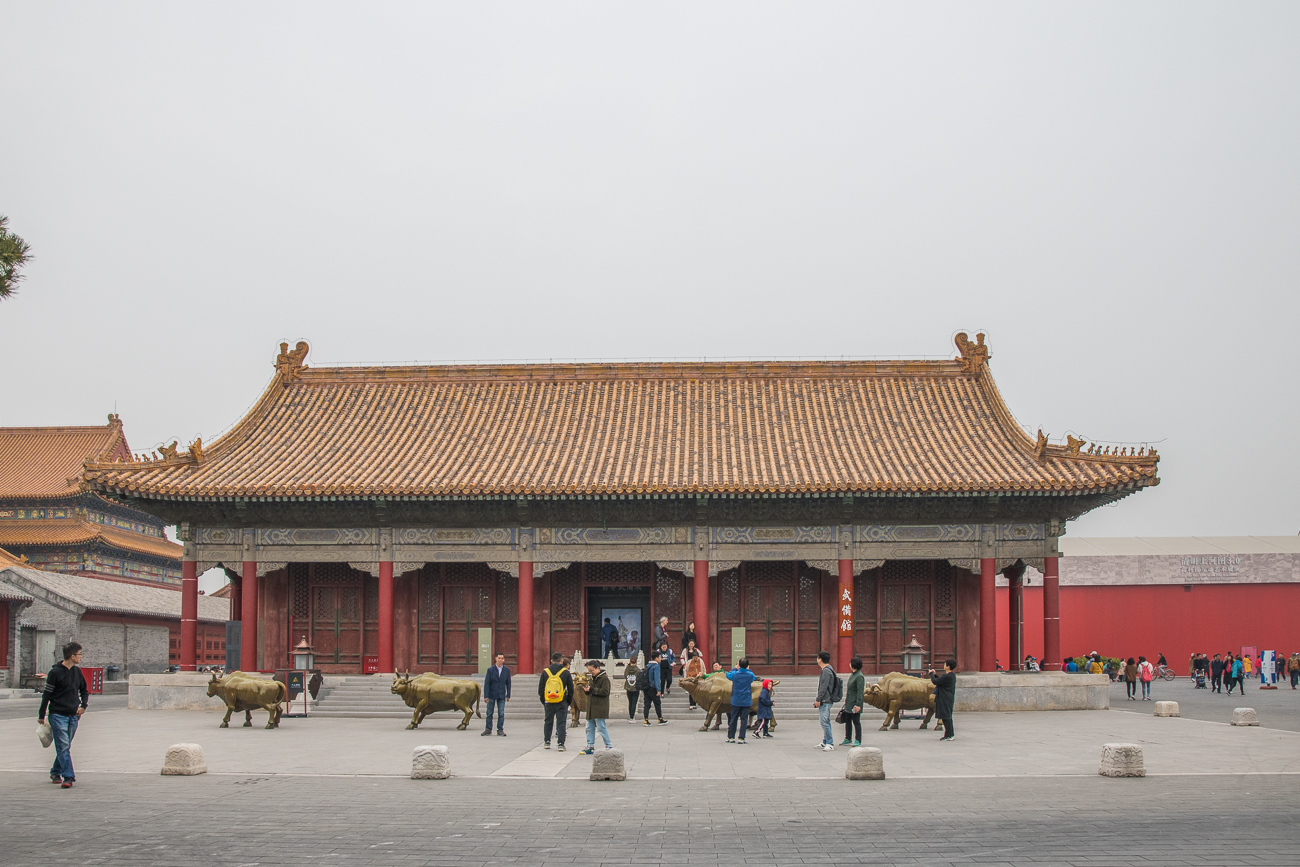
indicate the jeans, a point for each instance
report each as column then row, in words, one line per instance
column 1295, row 676
column 1146, row 689
column 651, row 696
column 597, row 725
column 853, row 726
column 631, row 704
column 64, row 729
column 737, row 718
column 1132, row 688
column 824, row 714
column 555, row 716
column 1216, row 683
column 500, row 705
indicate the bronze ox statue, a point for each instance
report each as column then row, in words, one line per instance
column 713, row 694
column 896, row 692
column 429, row 693
column 241, row 692
column 579, row 706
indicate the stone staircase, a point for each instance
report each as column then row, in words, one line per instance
column 370, row 696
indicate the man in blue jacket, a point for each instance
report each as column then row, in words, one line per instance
column 609, row 638
column 742, row 699
column 496, row 690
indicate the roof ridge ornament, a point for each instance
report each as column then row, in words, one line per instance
column 289, row 364
column 974, row 356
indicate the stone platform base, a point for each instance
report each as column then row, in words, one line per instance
column 187, row 691
column 1032, row 690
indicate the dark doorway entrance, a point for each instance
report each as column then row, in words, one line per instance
column 627, row 608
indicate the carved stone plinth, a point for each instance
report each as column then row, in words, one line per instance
column 430, row 763
column 865, row 763
column 1245, row 716
column 608, row 765
column 184, row 760
column 1122, row 760
column 1167, row 708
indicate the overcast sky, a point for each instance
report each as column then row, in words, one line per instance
column 1110, row 190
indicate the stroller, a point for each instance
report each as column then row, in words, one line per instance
column 1200, row 678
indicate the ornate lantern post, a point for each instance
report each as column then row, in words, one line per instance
column 914, row 658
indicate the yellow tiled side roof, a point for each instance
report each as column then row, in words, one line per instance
column 627, row 429
column 79, row 532
column 46, row 462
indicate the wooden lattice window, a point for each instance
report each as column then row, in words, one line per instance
column 568, row 595
column 430, row 591
column 300, row 591
column 809, row 598
column 729, row 597
column 943, row 594
column 768, row 571
column 669, row 587
column 507, row 599
column 864, row 597
column 892, row 602
column 372, row 599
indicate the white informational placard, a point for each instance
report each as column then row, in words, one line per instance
column 1268, row 667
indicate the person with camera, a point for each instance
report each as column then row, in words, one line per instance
column 945, row 695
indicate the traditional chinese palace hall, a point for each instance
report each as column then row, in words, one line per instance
column 390, row 513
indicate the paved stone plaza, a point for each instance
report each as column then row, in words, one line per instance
column 1014, row 788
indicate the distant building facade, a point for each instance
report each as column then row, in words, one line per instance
column 48, row 518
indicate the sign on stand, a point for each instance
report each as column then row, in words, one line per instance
column 737, row 645
column 484, row 649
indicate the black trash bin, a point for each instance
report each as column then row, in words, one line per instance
column 110, row 673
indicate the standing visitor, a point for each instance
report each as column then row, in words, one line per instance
column 597, row 688
column 689, row 635
column 945, row 696
column 1279, row 668
column 1095, row 667
column 1130, row 679
column 652, row 688
column 1246, row 665
column 763, row 728
column 829, row 689
column 1146, row 673
column 666, row 662
column 854, row 694
column 692, row 666
column 742, row 699
column 609, row 639
column 1216, row 674
column 661, row 634
column 1070, row 665
column 555, row 691
column 496, row 690
column 630, row 686
column 1293, row 668
column 1238, row 675
column 66, row 697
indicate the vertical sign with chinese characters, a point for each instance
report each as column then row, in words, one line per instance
column 846, row 611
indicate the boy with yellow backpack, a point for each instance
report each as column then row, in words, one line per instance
column 555, row 691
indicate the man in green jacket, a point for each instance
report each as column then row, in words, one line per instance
column 854, row 691
column 597, row 688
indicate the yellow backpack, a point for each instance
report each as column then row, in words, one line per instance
column 554, row 690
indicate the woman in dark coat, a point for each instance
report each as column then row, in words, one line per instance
column 945, row 695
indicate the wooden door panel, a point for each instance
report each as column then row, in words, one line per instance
column 429, row 602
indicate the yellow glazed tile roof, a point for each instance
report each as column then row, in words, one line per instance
column 871, row 427
column 18, row 534
column 47, row 462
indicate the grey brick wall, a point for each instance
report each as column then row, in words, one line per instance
column 132, row 648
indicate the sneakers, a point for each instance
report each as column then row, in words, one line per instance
column 828, row 748
column 66, row 784
column 663, row 722
column 855, row 743
column 742, row 742
column 487, row 733
column 55, row 779
column 546, row 746
column 767, row 735
column 588, row 751
column 647, row 722
column 501, row 734
column 631, row 720
column 846, row 742
column 731, row 740
column 561, row 748
column 947, row 738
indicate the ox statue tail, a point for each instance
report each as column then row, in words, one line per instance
column 478, row 694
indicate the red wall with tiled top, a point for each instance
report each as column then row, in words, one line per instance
column 1151, row 619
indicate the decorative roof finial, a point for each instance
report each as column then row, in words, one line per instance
column 973, row 355
column 196, row 450
column 289, row 363
column 114, row 420
column 169, row 452
column 1040, row 447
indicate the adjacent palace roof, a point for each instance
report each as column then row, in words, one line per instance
column 566, row 430
column 45, row 463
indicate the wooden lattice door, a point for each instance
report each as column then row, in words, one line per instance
column 768, row 592
column 466, row 606
column 336, row 612
column 907, row 609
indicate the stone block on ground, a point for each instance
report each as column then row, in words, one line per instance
column 1122, row 760
column 865, row 763
column 1167, row 708
column 430, row 763
column 608, row 765
column 184, row 760
column 1245, row 716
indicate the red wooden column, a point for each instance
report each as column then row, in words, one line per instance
column 526, row 615
column 189, row 614
column 1015, row 614
column 248, row 631
column 1051, row 614
column 700, row 607
column 845, row 642
column 988, row 614
column 385, row 615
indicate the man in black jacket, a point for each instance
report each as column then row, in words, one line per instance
column 66, row 697
column 945, row 695
column 556, row 711
column 1216, row 674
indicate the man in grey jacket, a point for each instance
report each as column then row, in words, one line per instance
column 826, row 683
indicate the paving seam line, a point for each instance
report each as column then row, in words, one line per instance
column 580, row 779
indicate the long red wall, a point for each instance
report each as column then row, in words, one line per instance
column 1151, row 619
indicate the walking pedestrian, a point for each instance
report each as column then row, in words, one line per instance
column 652, row 688
column 66, row 697
column 630, row 686
column 496, row 690
column 1247, row 664
column 597, row 688
column 1130, row 679
column 945, row 696
column 742, row 699
column 666, row 661
column 852, row 710
column 829, row 689
column 763, row 728
column 1293, row 668
column 661, row 634
column 692, row 666
column 1146, row 673
column 609, row 639
column 1216, row 674
column 1238, row 677
column 555, row 691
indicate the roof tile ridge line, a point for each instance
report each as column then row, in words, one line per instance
column 984, row 380
column 775, row 369
column 56, row 428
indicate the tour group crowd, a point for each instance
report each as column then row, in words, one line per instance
column 1224, row 669
column 649, row 684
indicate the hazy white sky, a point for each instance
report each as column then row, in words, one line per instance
column 1109, row 189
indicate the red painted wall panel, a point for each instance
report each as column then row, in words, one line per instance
column 1162, row 618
